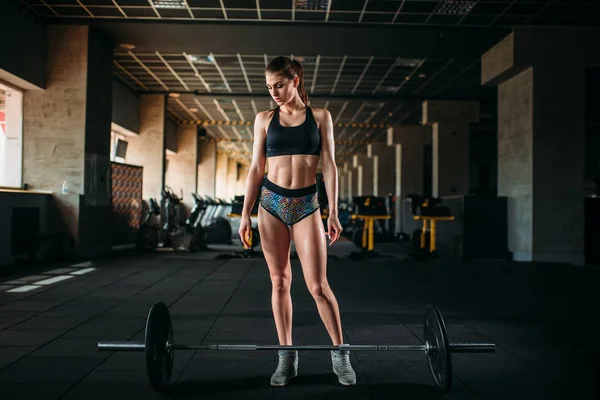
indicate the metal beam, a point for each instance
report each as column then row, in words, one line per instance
column 390, row 99
column 351, row 142
column 364, row 40
column 229, row 122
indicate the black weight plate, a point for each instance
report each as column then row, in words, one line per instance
column 159, row 360
column 438, row 355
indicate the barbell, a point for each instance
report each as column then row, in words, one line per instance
column 160, row 347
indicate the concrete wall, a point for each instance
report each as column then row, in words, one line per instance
column 207, row 167
column 54, row 123
column 450, row 122
column 559, row 160
column 221, row 175
column 240, row 188
column 126, row 107
column 483, row 159
column 232, row 178
column 148, row 149
column 171, row 139
column 556, row 117
column 25, row 57
column 181, row 175
column 515, row 157
column 66, row 134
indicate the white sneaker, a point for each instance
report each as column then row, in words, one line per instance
column 343, row 368
column 287, row 368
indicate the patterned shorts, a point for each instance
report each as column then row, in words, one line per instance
column 289, row 205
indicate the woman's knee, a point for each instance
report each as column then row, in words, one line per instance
column 319, row 290
column 281, row 282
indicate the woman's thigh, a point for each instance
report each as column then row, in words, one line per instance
column 311, row 246
column 275, row 241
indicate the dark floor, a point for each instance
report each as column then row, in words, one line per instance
column 542, row 318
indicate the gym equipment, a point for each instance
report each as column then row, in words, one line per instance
column 211, row 226
column 147, row 235
column 429, row 210
column 160, row 346
column 172, row 228
column 205, row 225
column 237, row 206
column 368, row 236
column 368, row 209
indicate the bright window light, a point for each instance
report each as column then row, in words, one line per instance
column 50, row 281
column 82, row 271
column 22, row 289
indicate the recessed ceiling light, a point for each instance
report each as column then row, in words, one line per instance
column 455, row 7
column 422, row 76
column 174, row 95
column 407, row 78
column 409, row 62
column 311, row 4
column 169, row 3
column 127, row 46
column 201, row 59
column 194, row 109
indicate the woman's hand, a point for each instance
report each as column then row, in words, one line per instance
column 245, row 231
column 334, row 229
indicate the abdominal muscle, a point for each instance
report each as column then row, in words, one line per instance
column 293, row 171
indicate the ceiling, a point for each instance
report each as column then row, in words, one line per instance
column 369, row 62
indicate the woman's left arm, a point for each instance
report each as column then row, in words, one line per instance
column 330, row 174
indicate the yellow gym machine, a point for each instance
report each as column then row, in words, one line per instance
column 428, row 210
column 368, row 209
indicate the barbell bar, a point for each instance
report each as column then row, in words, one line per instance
column 159, row 347
column 140, row 347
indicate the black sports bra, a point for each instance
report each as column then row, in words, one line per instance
column 287, row 140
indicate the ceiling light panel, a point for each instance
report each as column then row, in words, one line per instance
column 311, row 4
column 169, row 4
column 455, row 7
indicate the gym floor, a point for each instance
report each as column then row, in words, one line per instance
column 542, row 318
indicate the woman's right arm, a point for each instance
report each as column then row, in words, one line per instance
column 257, row 168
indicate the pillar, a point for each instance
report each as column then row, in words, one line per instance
column 384, row 159
column 181, row 174
column 351, row 178
column 232, row 178
column 342, row 182
column 408, row 142
column 363, row 166
column 450, row 121
column 148, row 148
column 240, row 189
column 541, row 131
column 207, row 167
column 66, row 135
column 221, row 175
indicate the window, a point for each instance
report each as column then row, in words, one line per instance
column 119, row 141
column 11, row 137
column 118, row 147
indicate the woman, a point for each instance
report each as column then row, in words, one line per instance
column 292, row 138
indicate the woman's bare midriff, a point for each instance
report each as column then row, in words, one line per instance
column 293, row 171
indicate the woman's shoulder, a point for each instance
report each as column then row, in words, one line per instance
column 264, row 116
column 320, row 114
